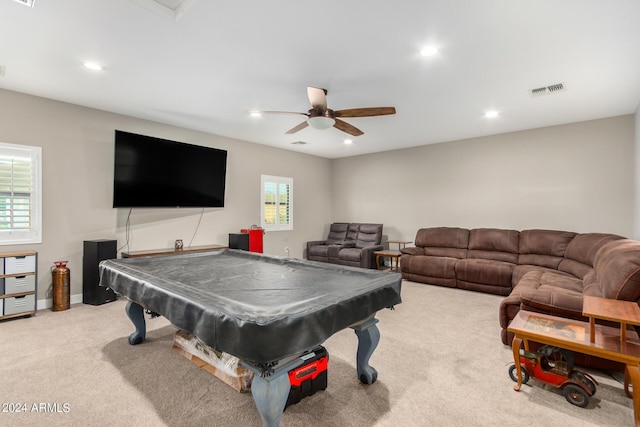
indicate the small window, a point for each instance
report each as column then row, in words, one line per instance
column 20, row 195
column 277, row 203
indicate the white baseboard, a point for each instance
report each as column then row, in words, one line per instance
column 48, row 303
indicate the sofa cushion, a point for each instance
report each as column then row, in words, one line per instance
column 617, row 270
column 556, row 302
column 494, row 244
column 351, row 255
column 520, row 270
column 369, row 235
column 543, row 247
column 484, row 271
column 324, row 253
column 580, row 253
column 432, row 270
column 442, row 267
column 550, row 281
column 443, row 241
column 551, row 293
column 352, row 232
column 337, row 233
column 334, row 250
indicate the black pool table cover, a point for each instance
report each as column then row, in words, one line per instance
column 256, row 307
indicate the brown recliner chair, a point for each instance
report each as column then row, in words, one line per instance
column 321, row 250
column 361, row 252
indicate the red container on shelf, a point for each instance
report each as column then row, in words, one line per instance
column 255, row 238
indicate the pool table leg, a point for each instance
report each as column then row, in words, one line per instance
column 270, row 395
column 368, row 339
column 136, row 315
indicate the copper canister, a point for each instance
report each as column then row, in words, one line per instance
column 60, row 284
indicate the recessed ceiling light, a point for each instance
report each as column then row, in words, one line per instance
column 348, row 141
column 93, row 66
column 255, row 113
column 429, row 51
column 491, row 114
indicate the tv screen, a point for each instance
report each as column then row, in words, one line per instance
column 153, row 172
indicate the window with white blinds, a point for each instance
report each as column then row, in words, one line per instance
column 277, row 203
column 20, row 196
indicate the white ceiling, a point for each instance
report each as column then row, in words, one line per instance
column 220, row 58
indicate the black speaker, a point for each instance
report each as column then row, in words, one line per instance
column 94, row 252
column 239, row 241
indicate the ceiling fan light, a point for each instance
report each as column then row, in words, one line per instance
column 429, row 51
column 94, row 66
column 320, row 122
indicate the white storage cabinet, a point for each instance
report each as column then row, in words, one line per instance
column 18, row 282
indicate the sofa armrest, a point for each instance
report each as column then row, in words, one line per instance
column 414, row 250
column 315, row 243
column 367, row 256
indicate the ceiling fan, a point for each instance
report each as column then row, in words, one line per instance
column 321, row 117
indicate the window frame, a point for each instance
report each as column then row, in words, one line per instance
column 277, row 180
column 34, row 233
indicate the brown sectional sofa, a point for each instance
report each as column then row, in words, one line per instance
column 481, row 259
column 545, row 271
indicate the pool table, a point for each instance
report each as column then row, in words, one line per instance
column 267, row 311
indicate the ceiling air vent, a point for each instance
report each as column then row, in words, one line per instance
column 171, row 9
column 548, row 90
column 29, row 3
column 299, row 143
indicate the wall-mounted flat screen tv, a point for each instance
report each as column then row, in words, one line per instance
column 154, row 173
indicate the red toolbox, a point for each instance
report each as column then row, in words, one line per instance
column 255, row 238
column 310, row 377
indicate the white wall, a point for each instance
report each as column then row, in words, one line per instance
column 636, row 191
column 77, row 148
column 577, row 177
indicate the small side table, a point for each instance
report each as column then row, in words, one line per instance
column 572, row 335
column 388, row 254
column 624, row 312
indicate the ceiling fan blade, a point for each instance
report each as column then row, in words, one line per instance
column 274, row 112
column 365, row 112
column 297, row 128
column 318, row 98
column 346, row 127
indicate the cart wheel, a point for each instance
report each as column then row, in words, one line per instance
column 513, row 374
column 575, row 395
column 582, row 378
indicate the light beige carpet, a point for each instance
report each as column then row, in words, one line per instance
column 440, row 362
